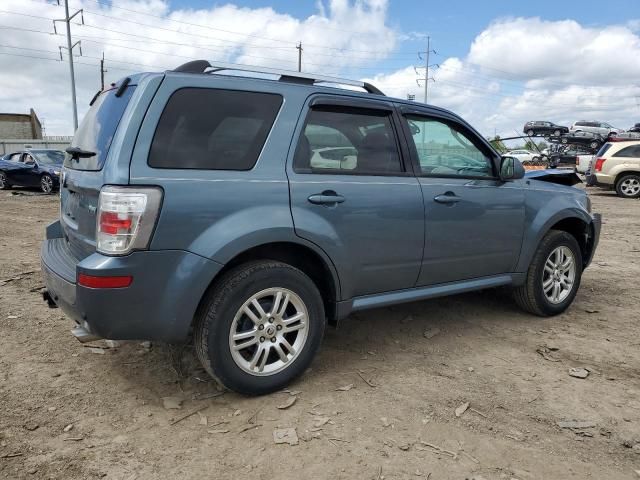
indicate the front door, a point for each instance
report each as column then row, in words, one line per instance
column 473, row 220
column 352, row 195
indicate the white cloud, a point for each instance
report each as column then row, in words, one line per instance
column 516, row 69
column 523, row 69
column 159, row 38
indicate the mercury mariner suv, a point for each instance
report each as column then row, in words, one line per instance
column 248, row 211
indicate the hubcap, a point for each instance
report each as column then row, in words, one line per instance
column 269, row 331
column 2, row 180
column 47, row 184
column 559, row 275
column 631, row 186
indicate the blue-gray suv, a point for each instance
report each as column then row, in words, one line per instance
column 247, row 211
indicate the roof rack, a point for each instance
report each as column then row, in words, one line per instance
column 203, row 66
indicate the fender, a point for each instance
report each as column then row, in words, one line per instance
column 252, row 227
column 543, row 212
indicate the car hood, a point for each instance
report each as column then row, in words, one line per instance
column 560, row 177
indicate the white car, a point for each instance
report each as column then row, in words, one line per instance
column 593, row 126
column 583, row 163
column 524, row 155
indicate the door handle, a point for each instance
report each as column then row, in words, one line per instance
column 448, row 197
column 328, row 197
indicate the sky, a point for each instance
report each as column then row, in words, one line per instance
column 497, row 63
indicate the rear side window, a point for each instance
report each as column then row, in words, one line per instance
column 97, row 129
column 629, row 152
column 207, row 129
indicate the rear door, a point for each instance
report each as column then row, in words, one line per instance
column 82, row 178
column 354, row 195
column 473, row 221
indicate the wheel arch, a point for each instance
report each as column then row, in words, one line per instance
column 315, row 264
column 619, row 175
column 575, row 222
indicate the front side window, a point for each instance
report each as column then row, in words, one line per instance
column 348, row 141
column 212, row 129
column 444, row 150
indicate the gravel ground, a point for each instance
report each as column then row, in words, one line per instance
column 379, row 401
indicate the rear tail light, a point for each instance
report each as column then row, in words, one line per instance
column 598, row 165
column 126, row 217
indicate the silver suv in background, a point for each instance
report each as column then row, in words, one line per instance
column 601, row 128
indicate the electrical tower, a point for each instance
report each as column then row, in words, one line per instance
column 67, row 19
column 299, row 48
column 426, row 79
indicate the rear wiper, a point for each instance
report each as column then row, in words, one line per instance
column 77, row 153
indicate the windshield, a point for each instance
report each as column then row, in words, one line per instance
column 49, row 157
column 97, row 129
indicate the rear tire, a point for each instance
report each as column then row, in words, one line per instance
column 4, row 182
column 556, row 267
column 628, row 186
column 248, row 344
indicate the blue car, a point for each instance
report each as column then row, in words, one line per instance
column 32, row 168
column 246, row 214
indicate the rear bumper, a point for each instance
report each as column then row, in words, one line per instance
column 159, row 304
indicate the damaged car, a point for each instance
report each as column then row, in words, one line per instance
column 247, row 208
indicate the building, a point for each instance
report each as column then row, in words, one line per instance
column 20, row 126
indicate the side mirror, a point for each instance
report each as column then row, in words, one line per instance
column 511, row 169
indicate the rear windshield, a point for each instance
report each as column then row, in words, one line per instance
column 603, row 149
column 97, row 129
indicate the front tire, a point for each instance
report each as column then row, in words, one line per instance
column 260, row 327
column 594, row 145
column 628, row 186
column 556, row 133
column 553, row 277
column 46, row 184
column 530, row 133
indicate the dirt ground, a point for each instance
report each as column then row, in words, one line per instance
column 67, row 412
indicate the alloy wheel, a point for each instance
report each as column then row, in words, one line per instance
column 269, row 331
column 559, row 274
column 630, row 187
column 3, row 180
column 46, row 184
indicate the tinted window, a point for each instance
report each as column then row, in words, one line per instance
column 632, row 151
column 346, row 140
column 209, row 129
column 97, row 129
column 443, row 149
column 603, row 149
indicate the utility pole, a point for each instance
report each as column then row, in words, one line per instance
column 426, row 67
column 299, row 48
column 67, row 19
column 102, row 71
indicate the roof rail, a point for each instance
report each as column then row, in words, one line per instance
column 203, row 66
